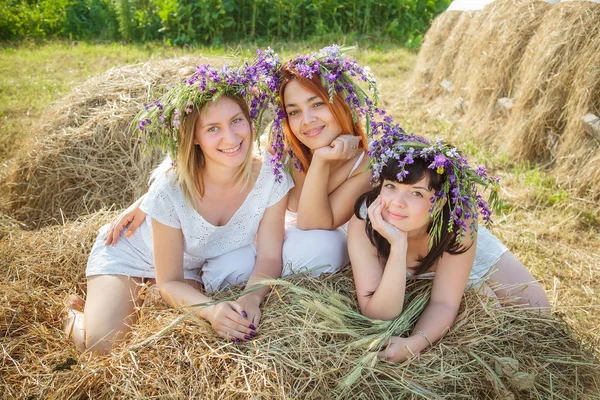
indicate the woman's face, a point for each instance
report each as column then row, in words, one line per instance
column 310, row 117
column 223, row 133
column 406, row 206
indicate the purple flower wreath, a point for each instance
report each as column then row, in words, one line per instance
column 460, row 185
column 159, row 122
column 339, row 75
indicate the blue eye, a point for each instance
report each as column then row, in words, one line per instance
column 390, row 186
column 212, row 129
column 236, row 121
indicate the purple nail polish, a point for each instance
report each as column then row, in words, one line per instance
column 247, row 337
column 244, row 314
column 252, row 327
column 234, row 339
column 252, row 333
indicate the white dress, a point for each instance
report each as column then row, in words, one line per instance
column 315, row 251
column 208, row 249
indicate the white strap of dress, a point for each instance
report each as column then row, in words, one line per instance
column 356, row 164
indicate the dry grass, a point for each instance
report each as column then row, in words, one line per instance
column 496, row 51
column 546, row 77
column 452, row 46
column 85, row 156
column 312, row 342
column 301, row 351
column 433, row 44
column 579, row 150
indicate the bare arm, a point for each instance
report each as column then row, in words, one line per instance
column 317, row 209
column 450, row 280
column 268, row 258
column 380, row 290
column 225, row 317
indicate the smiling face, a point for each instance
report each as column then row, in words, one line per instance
column 407, row 205
column 309, row 116
column 223, row 132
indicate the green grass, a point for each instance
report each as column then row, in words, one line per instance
column 35, row 76
column 552, row 231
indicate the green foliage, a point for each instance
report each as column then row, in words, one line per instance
column 184, row 22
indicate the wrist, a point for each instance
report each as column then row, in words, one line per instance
column 206, row 313
column 399, row 246
column 254, row 297
column 419, row 342
column 319, row 159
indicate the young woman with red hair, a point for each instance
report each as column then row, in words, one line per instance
column 319, row 138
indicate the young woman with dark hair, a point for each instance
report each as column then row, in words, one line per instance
column 420, row 221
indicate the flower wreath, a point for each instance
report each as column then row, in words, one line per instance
column 159, row 121
column 338, row 74
column 459, row 188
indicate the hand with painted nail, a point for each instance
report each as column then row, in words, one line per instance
column 250, row 304
column 131, row 218
column 228, row 322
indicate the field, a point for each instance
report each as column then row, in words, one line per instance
column 551, row 230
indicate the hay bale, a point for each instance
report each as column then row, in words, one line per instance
column 8, row 224
column 496, row 51
column 546, row 77
column 580, row 141
column 84, row 156
column 452, row 47
column 432, row 47
column 311, row 344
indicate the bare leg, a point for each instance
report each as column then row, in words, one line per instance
column 509, row 277
column 109, row 310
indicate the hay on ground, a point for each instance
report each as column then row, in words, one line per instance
column 84, row 156
column 546, row 77
column 311, row 343
column 432, row 47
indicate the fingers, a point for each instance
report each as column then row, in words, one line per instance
column 116, row 227
column 135, row 223
column 374, row 212
column 344, row 147
column 229, row 323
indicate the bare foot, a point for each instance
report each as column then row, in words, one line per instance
column 73, row 324
column 75, row 303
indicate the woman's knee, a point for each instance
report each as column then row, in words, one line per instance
column 109, row 310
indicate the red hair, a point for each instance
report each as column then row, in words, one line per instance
column 339, row 108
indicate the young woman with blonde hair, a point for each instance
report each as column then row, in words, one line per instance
column 215, row 218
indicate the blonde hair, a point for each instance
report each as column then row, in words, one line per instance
column 190, row 163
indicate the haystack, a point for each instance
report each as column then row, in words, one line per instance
column 84, row 155
column 546, row 77
column 453, row 45
column 496, row 51
column 579, row 149
column 455, row 62
column 432, row 47
column 311, row 344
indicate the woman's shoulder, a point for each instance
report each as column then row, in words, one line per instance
column 274, row 171
column 164, row 177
